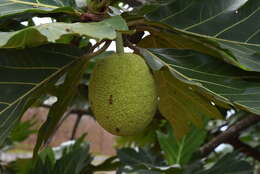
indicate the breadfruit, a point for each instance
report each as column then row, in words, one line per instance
column 122, row 94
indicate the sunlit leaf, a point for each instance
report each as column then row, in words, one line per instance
column 54, row 32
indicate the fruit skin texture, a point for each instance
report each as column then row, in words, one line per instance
column 122, row 94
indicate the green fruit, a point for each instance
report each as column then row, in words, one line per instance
column 122, row 94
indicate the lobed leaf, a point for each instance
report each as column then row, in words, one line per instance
column 180, row 151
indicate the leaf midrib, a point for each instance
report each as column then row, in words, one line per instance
column 34, row 4
column 215, row 38
column 181, row 145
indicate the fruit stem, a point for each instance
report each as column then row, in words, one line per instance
column 119, row 43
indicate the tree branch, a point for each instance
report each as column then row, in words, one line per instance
column 76, row 125
column 245, row 148
column 65, row 116
column 92, row 49
column 78, row 112
column 230, row 134
column 131, row 46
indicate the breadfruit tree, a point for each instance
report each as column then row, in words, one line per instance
column 181, row 90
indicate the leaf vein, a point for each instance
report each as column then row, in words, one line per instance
column 250, row 37
column 204, row 21
column 237, row 23
column 37, row 86
column 179, row 12
column 33, row 4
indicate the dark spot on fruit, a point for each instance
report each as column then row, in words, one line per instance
column 117, row 129
column 110, row 99
column 67, row 29
column 107, row 117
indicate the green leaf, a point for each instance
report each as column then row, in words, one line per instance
column 180, row 104
column 235, row 166
column 110, row 164
column 69, row 87
column 143, row 161
column 48, row 155
column 14, row 6
column 75, row 159
column 55, row 32
column 22, row 10
column 9, row 13
column 219, row 82
column 144, row 8
column 181, row 41
column 23, row 130
column 232, row 24
column 26, row 73
column 180, row 151
column 22, row 166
